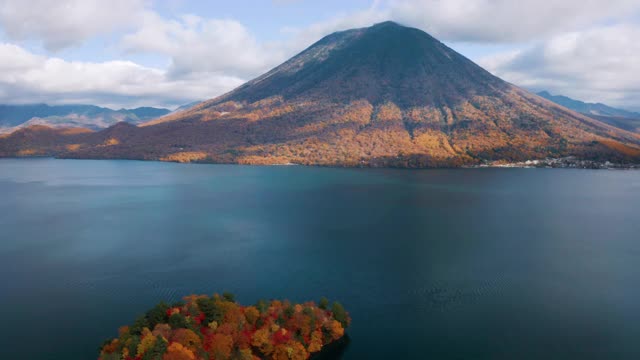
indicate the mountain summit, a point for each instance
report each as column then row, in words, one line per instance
column 383, row 63
column 386, row 95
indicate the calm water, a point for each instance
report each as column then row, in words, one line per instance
column 437, row 264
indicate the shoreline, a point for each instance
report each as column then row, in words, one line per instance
column 551, row 163
column 559, row 163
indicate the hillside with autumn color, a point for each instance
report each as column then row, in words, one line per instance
column 386, row 95
column 218, row 328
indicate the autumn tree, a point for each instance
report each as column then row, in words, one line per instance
column 340, row 314
column 157, row 315
column 187, row 338
column 229, row 297
column 177, row 351
column 276, row 330
column 147, row 342
column 292, row 350
column 163, row 330
column 324, row 303
column 210, row 309
column 262, row 341
column 178, row 321
column 335, row 329
column 221, row 346
column 156, row 351
column 251, row 314
column 315, row 344
column 140, row 323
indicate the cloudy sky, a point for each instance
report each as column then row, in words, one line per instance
column 125, row 53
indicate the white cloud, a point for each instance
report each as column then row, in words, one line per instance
column 197, row 45
column 29, row 78
column 484, row 21
column 506, row 20
column 300, row 38
column 596, row 65
column 63, row 23
column 577, row 54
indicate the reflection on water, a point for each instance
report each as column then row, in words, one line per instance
column 443, row 264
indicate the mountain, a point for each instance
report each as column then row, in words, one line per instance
column 597, row 109
column 91, row 117
column 186, row 106
column 385, row 95
column 619, row 118
column 146, row 113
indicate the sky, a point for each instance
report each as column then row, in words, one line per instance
column 166, row 53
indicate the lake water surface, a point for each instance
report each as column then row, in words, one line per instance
column 433, row 264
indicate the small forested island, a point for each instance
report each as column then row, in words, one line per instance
column 203, row 327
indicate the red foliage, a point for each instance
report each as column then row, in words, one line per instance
column 267, row 333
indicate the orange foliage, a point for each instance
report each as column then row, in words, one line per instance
column 316, row 341
column 220, row 346
column 336, row 330
column 186, row 156
column 27, row 152
column 176, row 351
column 217, row 328
column 292, row 350
column 73, row 147
column 621, row 148
column 111, row 142
column 187, row 338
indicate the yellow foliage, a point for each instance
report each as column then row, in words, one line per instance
column 336, row 329
column 186, row 156
column 292, row 350
column 261, row 340
column 245, row 354
column 251, row 314
column 389, row 112
column 263, row 160
column 27, row 152
column 147, row 342
column 111, row 142
column 316, row 341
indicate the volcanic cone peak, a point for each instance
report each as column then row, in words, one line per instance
column 387, row 62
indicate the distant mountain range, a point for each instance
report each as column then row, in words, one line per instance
column 186, row 106
column 13, row 117
column 619, row 118
column 588, row 108
column 386, row 95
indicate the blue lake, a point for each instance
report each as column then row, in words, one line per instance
column 431, row 264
